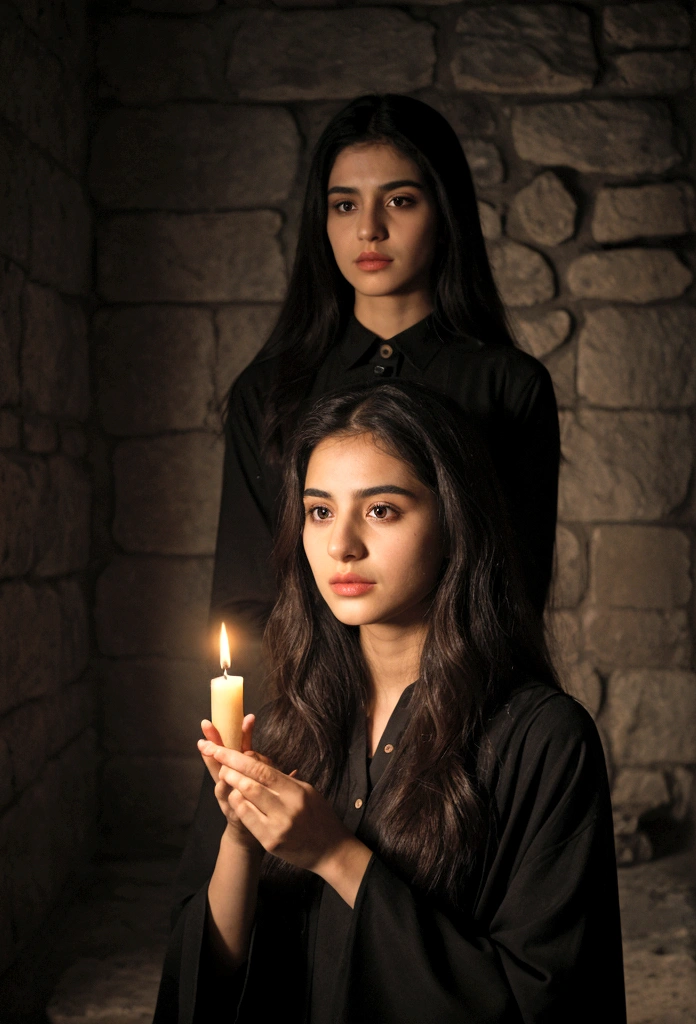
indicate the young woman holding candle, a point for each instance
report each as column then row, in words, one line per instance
column 426, row 834
column 391, row 280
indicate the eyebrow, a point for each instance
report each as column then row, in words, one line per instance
column 367, row 492
column 402, row 183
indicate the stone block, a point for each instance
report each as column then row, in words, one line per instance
column 152, row 706
column 151, row 798
column 651, row 73
column 242, row 330
column 25, row 731
column 39, row 435
column 485, row 162
column 649, row 716
column 120, row 986
column 145, row 61
column 154, row 368
column 73, row 442
column 15, row 218
column 74, row 630
column 523, row 49
column 637, row 638
column 11, row 284
column 640, row 789
column 629, row 275
column 9, row 429
column 470, row 116
column 644, row 211
column 148, row 606
column 563, row 632
column 491, row 225
column 562, row 365
column 638, row 357
column 640, row 566
column 583, row 682
column 168, row 494
column 70, row 713
column 55, row 359
column 22, row 495
column 623, row 465
column 322, row 55
column 61, row 230
column 6, row 788
column 206, row 257
column 63, row 523
column 543, row 211
column 194, row 157
column 570, row 577
column 621, row 137
column 522, row 275
column 545, row 333
column 636, row 25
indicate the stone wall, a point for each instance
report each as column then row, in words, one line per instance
column 575, row 120
column 47, row 743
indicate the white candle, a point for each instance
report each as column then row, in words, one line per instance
column 227, row 699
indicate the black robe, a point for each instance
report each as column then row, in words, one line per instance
column 535, row 937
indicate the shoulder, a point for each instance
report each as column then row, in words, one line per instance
column 510, row 372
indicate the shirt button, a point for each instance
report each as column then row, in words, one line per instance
column 388, row 748
column 386, row 351
column 358, row 803
column 379, row 370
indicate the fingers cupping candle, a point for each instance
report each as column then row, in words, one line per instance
column 227, row 699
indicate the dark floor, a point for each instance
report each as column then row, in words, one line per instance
column 98, row 961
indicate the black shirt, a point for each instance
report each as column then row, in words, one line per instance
column 535, row 937
column 507, row 392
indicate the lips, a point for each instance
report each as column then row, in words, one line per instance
column 349, row 584
column 373, row 261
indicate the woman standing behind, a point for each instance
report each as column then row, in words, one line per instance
column 391, row 280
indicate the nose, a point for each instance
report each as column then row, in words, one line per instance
column 371, row 226
column 345, row 543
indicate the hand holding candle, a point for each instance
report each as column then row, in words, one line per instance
column 227, row 699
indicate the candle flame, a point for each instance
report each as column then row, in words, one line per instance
column 224, row 648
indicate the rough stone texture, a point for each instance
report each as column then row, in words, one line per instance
column 545, row 333
column 518, row 49
column 11, row 283
column 22, row 488
column 15, row 222
column 627, row 465
column 152, row 797
column 491, row 225
column 649, row 716
column 644, row 790
column 485, row 162
column 74, row 630
column 584, row 683
column 637, row 638
column 194, row 157
column 146, row 61
column 168, row 494
column 650, row 72
column 629, row 275
column 39, row 435
column 330, row 54
column 29, row 640
column 643, row 358
column 54, row 355
column 543, row 211
column 25, row 731
column 152, row 705
column 153, row 606
column 64, row 520
column 644, row 211
column 640, row 566
column 631, row 26
column 61, row 231
column 154, row 368
column 242, row 330
column 9, row 429
column 570, row 578
column 523, row 276
column 607, row 136
column 159, row 257
column 562, row 365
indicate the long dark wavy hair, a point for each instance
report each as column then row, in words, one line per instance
column 483, row 637
column 320, row 301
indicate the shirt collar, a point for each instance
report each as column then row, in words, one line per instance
column 419, row 343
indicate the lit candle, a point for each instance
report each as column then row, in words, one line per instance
column 227, row 699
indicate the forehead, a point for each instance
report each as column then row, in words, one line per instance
column 353, row 462
column 373, row 163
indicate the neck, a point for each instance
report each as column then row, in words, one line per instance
column 387, row 315
column 392, row 654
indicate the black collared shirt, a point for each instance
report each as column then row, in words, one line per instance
column 507, row 392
